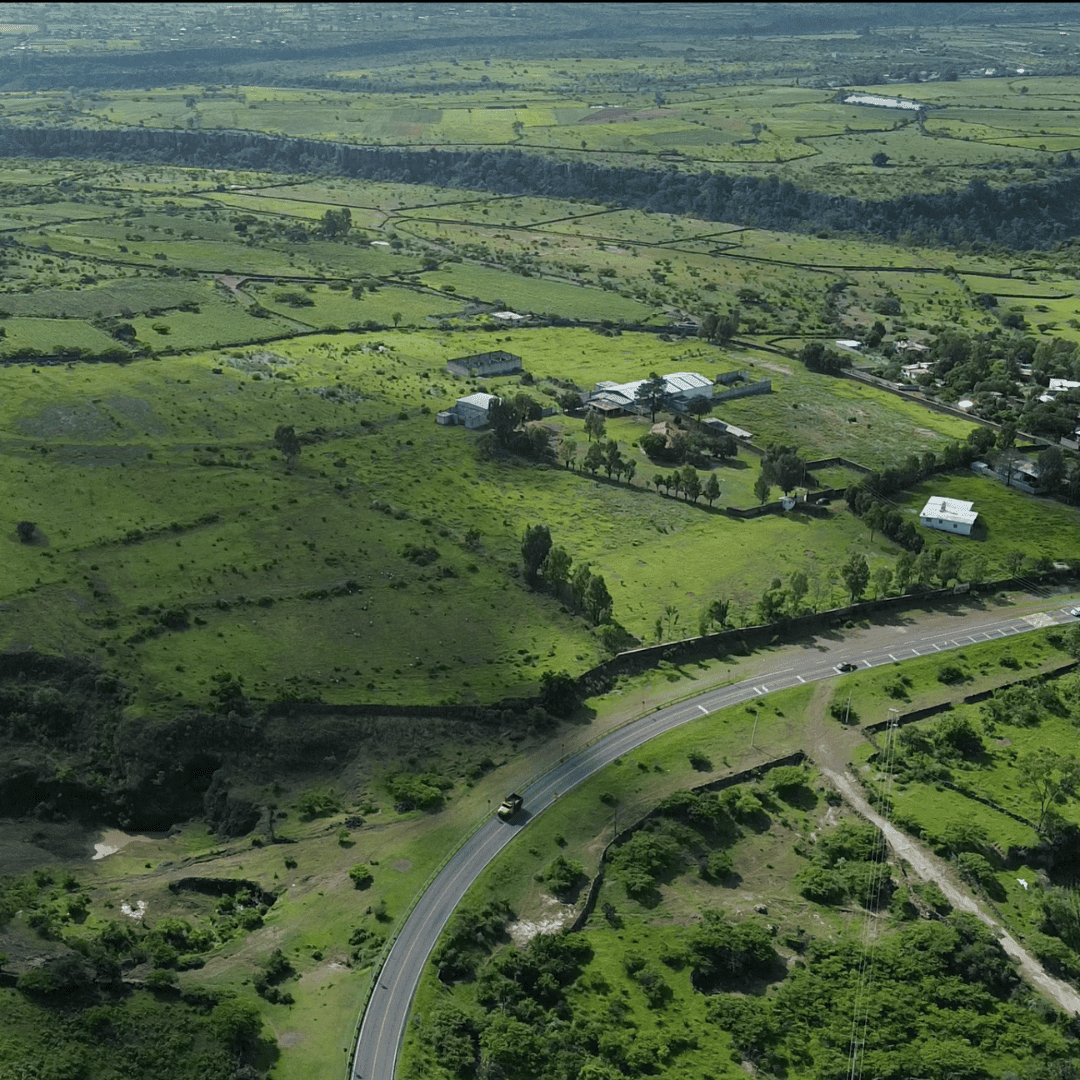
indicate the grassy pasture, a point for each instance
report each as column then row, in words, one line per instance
column 337, row 308
column 209, row 437
column 1006, row 517
column 219, row 322
column 825, row 416
column 111, row 298
column 48, row 335
column 538, row 295
column 743, row 129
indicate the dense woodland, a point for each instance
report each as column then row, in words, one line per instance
column 1022, row 217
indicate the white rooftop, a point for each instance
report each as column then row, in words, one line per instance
column 1059, row 386
column 949, row 510
column 481, row 401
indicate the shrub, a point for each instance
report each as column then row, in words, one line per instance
column 950, row 674
column 361, row 876
column 562, row 875
column 700, row 761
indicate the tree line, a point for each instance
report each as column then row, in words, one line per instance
column 1021, row 217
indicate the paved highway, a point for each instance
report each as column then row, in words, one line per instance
column 388, row 1010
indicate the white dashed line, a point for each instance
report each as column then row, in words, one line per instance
column 704, row 710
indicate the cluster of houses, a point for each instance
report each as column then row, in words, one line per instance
column 609, row 398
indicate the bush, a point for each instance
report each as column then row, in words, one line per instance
column 951, row 674
column 361, row 876
column 417, row 792
column 562, row 875
column 718, row 866
column 700, row 761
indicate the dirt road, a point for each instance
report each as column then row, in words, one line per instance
column 930, row 868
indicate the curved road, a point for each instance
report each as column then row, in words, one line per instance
column 388, row 1009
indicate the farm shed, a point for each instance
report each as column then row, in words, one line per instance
column 483, row 365
column 472, row 411
column 681, row 387
column 948, row 515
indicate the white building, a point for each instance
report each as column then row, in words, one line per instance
column 948, row 515
column 472, row 411
column 680, row 386
column 1058, row 386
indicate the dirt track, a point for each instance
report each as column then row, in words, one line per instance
column 931, row 868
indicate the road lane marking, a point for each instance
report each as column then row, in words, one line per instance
column 893, row 658
column 800, row 678
column 703, row 709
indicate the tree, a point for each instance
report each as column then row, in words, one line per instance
column 538, row 438
column 699, row 406
column 762, row 488
column 569, row 401
column 712, row 488
column 880, row 159
column 629, row 468
column 528, row 408
column 798, row 586
column 1051, row 468
column 691, row 484
column 567, row 452
column 981, row 439
column 598, row 602
column 595, row 425
column 717, row 612
column 786, row 469
column 579, row 584
column 1006, row 444
column 336, row 222
column 1050, row 775
column 874, row 518
column 612, row 457
column 856, row 575
column 902, row 571
column 287, row 443
column 558, row 693
column 556, row 567
column 26, row 531
column 504, row 416
column 396, row 317
column 882, row 580
column 594, row 457
column 1014, row 561
column 651, row 395
column 238, row 1024
column 535, row 545
column 659, row 480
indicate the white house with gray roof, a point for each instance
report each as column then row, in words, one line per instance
column 948, row 515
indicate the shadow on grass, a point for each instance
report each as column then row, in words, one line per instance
column 800, row 798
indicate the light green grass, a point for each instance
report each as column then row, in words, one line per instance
column 1005, row 517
